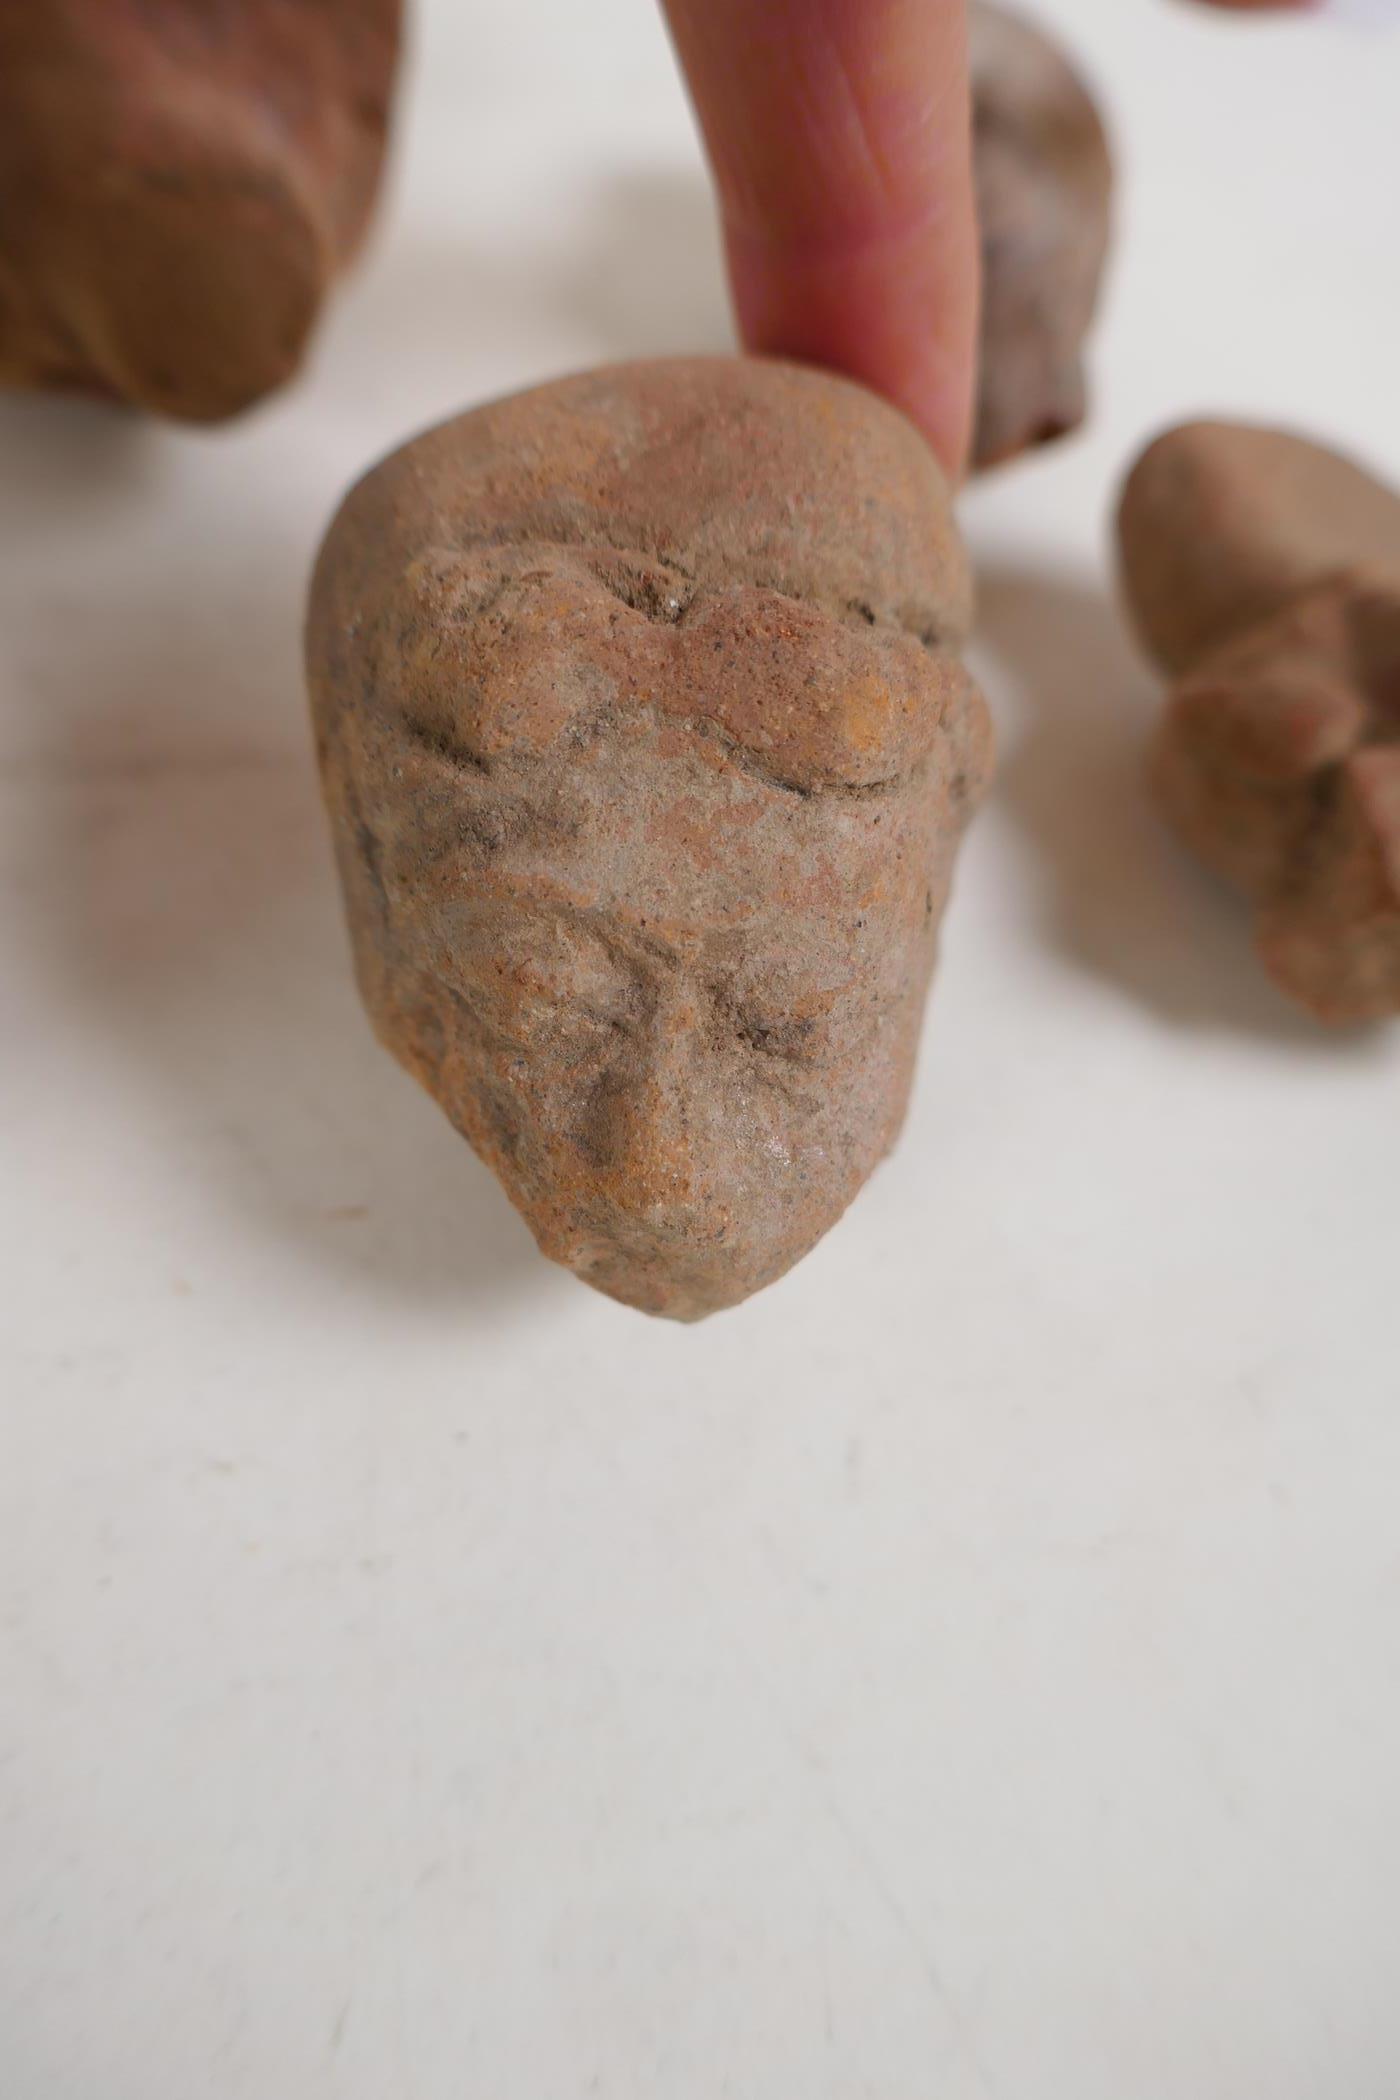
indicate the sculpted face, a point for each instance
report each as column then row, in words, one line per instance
column 645, row 859
column 683, row 1002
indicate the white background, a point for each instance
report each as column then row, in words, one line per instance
column 972, row 1669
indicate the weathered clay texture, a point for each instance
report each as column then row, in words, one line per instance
column 1044, row 182
column 1264, row 574
column 647, row 749
column 180, row 181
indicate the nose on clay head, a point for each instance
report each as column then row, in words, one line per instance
column 675, row 1220
column 664, row 1152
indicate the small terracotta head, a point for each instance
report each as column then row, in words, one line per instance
column 1044, row 189
column 647, row 753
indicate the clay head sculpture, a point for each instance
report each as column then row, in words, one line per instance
column 1264, row 573
column 1044, row 181
column 179, row 183
column 647, row 750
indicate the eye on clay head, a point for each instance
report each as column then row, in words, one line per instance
column 647, row 749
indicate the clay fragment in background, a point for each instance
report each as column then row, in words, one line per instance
column 1264, row 574
column 180, row 182
column 647, row 749
column 1044, row 181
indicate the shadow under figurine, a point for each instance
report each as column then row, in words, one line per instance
column 1263, row 573
column 179, row 185
column 647, row 750
column 1044, row 187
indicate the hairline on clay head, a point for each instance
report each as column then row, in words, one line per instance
column 508, row 649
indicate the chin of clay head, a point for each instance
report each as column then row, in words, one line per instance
column 180, row 181
column 647, row 748
column 1264, row 574
column 1044, row 181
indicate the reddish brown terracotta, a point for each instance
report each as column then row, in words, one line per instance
column 180, row 181
column 1044, row 184
column 647, row 748
column 1264, row 573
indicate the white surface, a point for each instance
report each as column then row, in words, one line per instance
column 972, row 1669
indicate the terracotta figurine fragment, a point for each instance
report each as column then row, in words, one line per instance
column 1264, row 574
column 180, row 183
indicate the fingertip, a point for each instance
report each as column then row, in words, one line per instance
column 839, row 134
column 898, row 315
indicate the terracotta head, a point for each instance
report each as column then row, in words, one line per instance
column 647, row 752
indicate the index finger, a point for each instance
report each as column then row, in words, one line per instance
column 839, row 135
